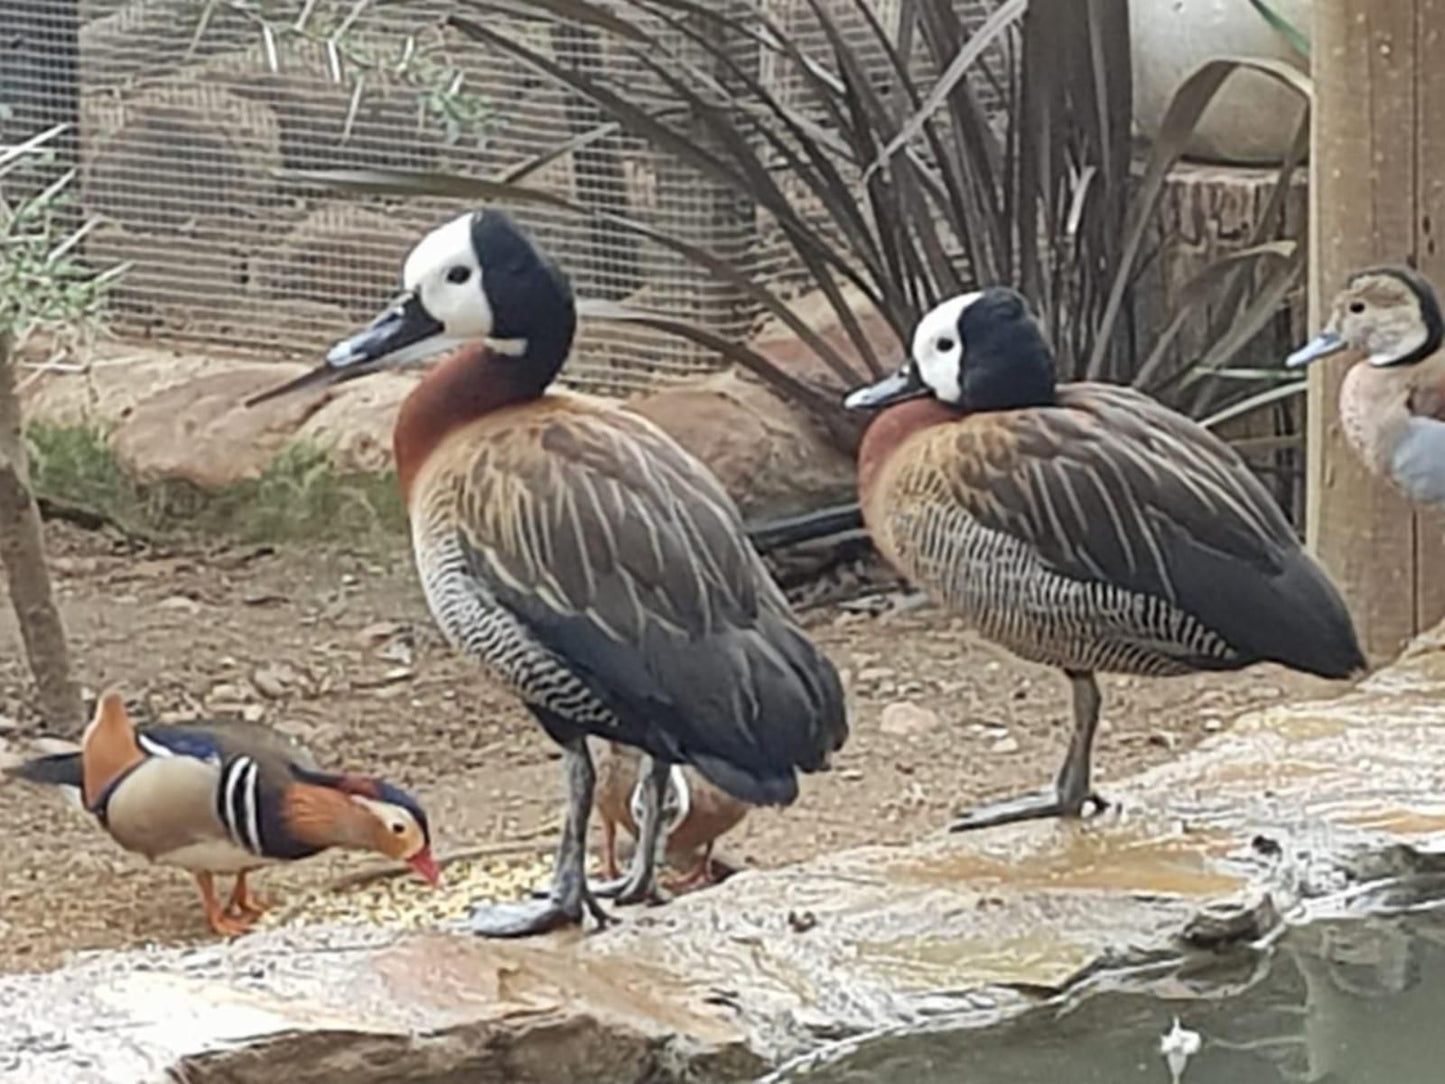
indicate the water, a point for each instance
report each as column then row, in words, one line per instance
column 1348, row 1001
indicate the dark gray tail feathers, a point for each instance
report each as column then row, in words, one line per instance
column 62, row 770
column 746, row 786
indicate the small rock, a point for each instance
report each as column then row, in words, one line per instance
column 397, row 651
column 378, row 632
column 349, row 579
column 1213, row 724
column 253, row 713
column 1164, row 740
column 179, row 602
column 802, row 921
column 269, row 682
column 228, row 693
column 851, row 775
column 903, row 719
column 872, row 674
column 1005, row 745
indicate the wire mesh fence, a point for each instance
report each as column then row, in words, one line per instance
column 190, row 112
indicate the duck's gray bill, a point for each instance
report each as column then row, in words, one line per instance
column 404, row 329
column 893, row 388
column 392, row 338
column 1321, row 346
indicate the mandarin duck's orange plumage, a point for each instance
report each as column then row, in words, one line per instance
column 1084, row 526
column 228, row 797
column 695, row 814
column 580, row 554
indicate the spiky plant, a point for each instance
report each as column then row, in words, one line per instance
column 917, row 157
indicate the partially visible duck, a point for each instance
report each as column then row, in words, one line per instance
column 1082, row 526
column 228, row 797
column 582, row 556
column 1392, row 401
column 695, row 814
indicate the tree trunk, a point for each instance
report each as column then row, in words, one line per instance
column 22, row 552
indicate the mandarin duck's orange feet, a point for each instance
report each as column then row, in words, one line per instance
column 244, row 903
column 700, row 876
column 224, row 923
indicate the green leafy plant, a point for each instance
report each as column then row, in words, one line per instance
column 42, row 283
column 910, row 161
column 417, row 61
column 299, row 496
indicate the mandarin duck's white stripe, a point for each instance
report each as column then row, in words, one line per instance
column 239, row 803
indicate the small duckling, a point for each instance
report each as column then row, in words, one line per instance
column 1392, row 401
column 695, row 813
column 228, row 797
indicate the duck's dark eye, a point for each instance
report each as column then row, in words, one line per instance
column 944, row 345
column 1357, row 307
column 459, row 274
column 398, row 828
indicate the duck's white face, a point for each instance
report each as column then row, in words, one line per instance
column 444, row 272
column 938, row 348
column 442, row 305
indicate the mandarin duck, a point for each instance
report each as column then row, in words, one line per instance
column 694, row 813
column 582, row 556
column 1392, row 400
column 228, row 797
column 1082, row 526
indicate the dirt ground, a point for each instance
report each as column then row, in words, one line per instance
column 338, row 649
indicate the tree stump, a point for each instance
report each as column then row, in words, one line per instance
column 1208, row 212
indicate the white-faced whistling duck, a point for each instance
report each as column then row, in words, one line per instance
column 695, row 813
column 582, row 555
column 1083, row 526
column 228, row 797
column 1392, row 401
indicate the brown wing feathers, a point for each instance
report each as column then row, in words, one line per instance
column 1114, row 488
column 625, row 558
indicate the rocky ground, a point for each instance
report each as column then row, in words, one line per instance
column 336, row 647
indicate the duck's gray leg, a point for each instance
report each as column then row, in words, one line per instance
column 640, row 884
column 565, row 904
column 1071, row 790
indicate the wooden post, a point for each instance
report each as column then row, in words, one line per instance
column 1377, row 194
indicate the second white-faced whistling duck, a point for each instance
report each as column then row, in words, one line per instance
column 1083, row 526
column 1392, row 401
column 581, row 555
column 224, row 797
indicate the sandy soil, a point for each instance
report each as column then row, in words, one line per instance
column 338, row 649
